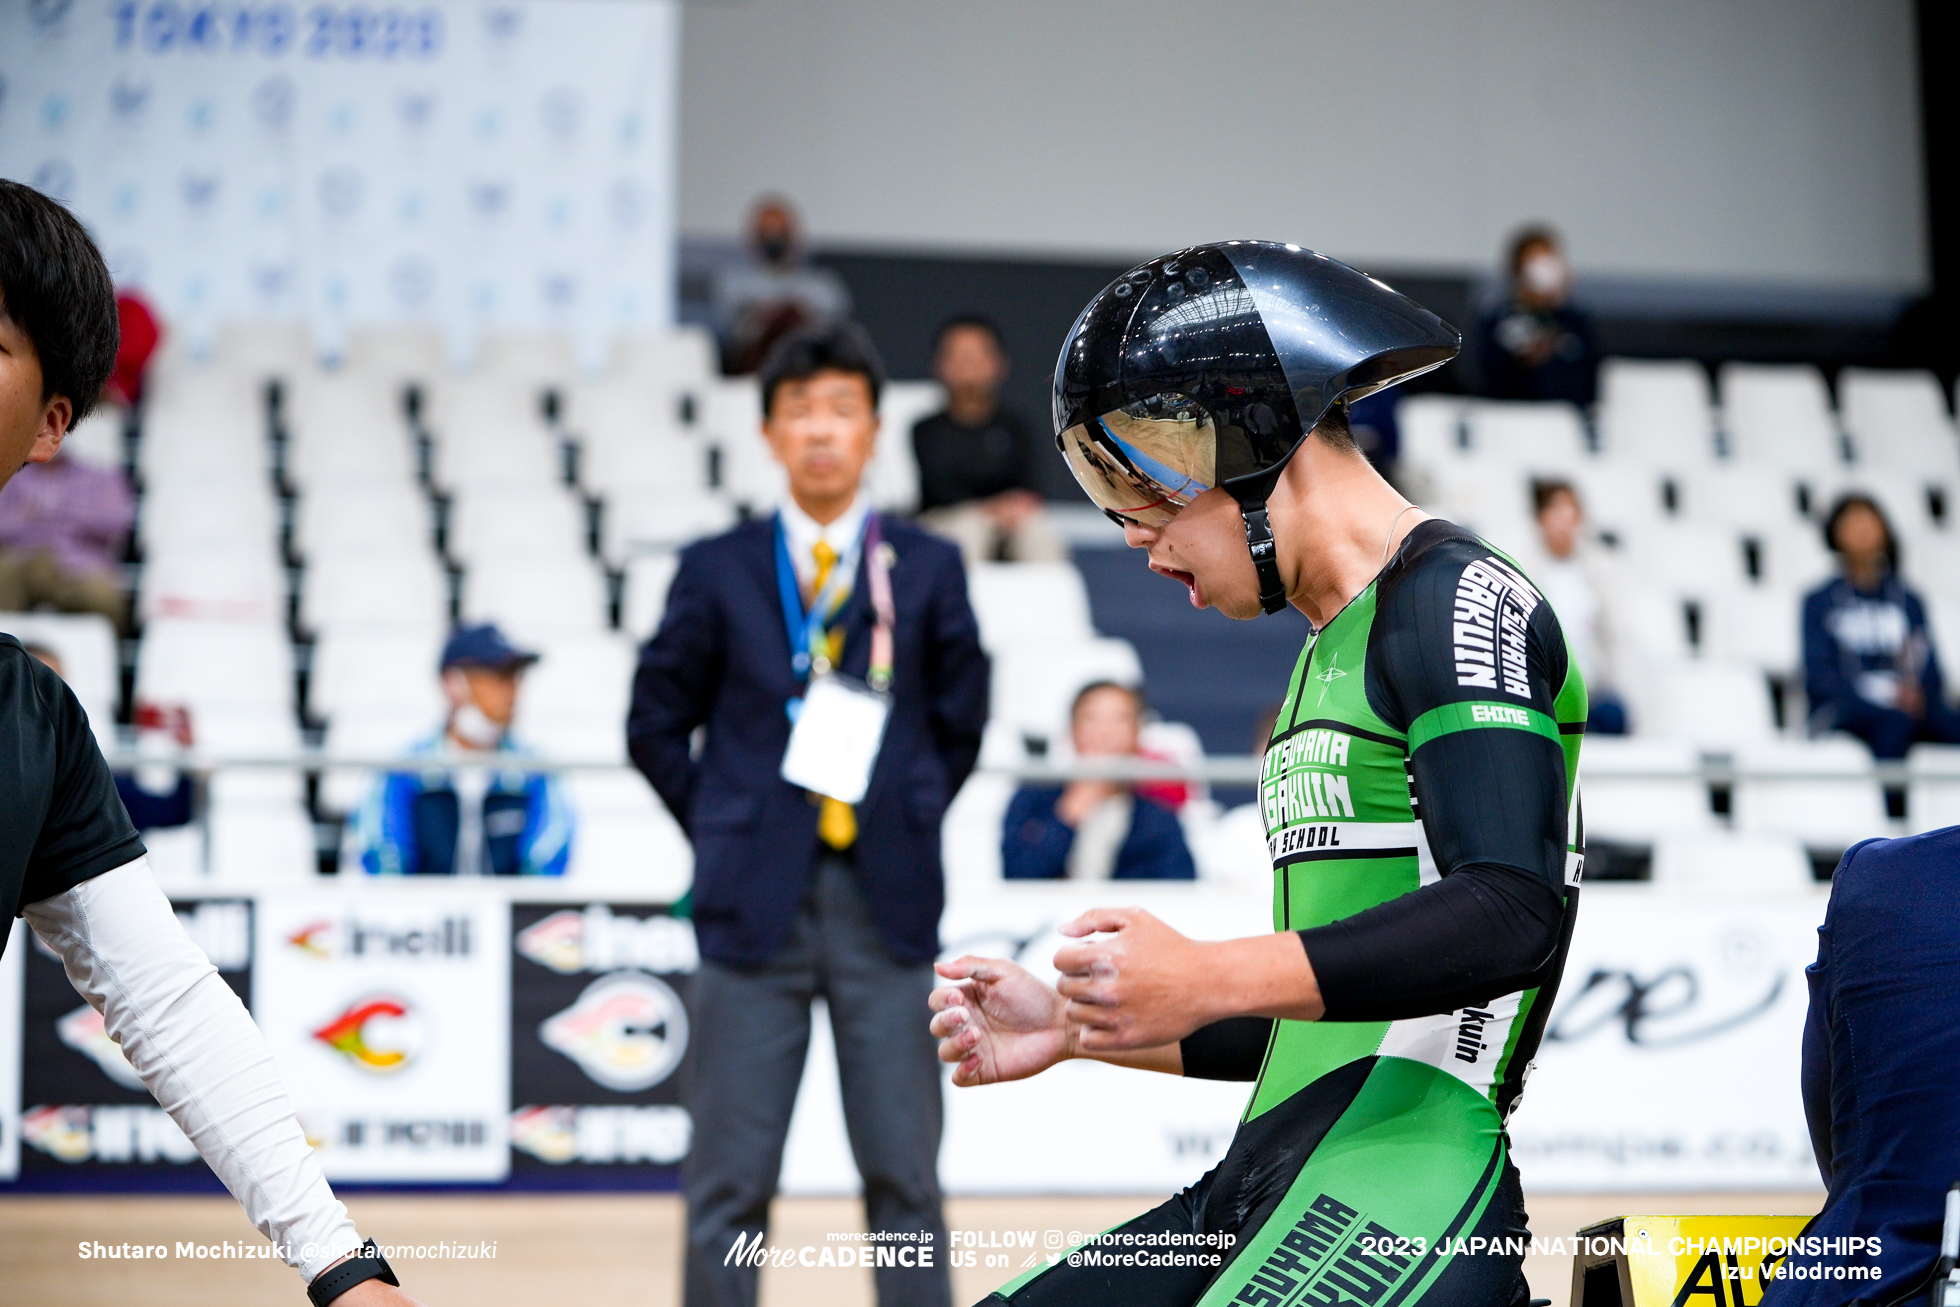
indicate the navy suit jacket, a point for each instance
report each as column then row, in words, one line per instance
column 1880, row 1048
column 721, row 659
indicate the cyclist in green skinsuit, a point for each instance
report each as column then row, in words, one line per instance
column 1420, row 798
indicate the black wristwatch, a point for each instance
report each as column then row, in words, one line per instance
column 367, row 1264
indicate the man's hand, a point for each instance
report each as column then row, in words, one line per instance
column 1010, row 508
column 1148, row 986
column 998, row 1023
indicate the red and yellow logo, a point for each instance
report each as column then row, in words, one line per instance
column 312, row 939
column 380, row 1034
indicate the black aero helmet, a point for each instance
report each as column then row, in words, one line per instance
column 1207, row 368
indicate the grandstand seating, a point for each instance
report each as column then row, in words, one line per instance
column 284, row 501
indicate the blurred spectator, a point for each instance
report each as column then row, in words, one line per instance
column 1537, row 346
column 140, row 334
column 774, row 293
column 1579, row 581
column 1869, row 663
column 978, row 460
column 154, row 796
column 63, row 525
column 1095, row 830
column 487, row 819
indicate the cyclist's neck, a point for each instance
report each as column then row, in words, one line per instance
column 1335, row 521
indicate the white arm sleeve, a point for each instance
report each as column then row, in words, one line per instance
column 196, row 1049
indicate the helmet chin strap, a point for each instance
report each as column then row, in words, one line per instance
column 1265, row 555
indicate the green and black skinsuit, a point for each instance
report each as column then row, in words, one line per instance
column 1421, row 803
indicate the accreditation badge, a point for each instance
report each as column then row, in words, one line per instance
column 835, row 741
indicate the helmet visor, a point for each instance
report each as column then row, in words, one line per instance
column 1144, row 462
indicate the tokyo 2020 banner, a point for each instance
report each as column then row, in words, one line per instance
column 499, row 165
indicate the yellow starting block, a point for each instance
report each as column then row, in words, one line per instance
column 1680, row 1261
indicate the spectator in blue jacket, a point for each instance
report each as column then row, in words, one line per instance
column 487, row 817
column 1090, row 829
column 1869, row 663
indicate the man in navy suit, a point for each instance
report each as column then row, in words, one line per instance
column 796, row 894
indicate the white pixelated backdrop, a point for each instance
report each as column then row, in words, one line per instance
column 478, row 164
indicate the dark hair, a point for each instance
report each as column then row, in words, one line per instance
column 1859, row 499
column 1544, row 490
column 978, row 321
column 1525, row 237
column 830, row 347
column 1075, row 705
column 55, row 288
column 1334, row 429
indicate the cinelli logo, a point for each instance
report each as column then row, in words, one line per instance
column 1499, row 713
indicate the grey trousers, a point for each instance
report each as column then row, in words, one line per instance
column 751, row 1031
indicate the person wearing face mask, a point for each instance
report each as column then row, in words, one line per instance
column 774, row 292
column 483, row 815
column 1537, row 345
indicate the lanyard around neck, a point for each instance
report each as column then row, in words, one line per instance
column 809, row 646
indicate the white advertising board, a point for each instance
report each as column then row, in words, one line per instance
column 389, row 1015
column 10, row 1023
column 1671, row 1059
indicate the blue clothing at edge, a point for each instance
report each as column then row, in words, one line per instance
column 1035, row 843
column 410, row 823
column 1880, row 1052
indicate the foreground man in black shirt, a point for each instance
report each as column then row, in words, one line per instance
column 71, row 862
column 977, row 460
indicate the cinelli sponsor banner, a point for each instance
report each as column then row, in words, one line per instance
column 388, row 1016
column 598, row 1028
column 80, row 1105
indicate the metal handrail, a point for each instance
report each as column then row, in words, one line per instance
column 1217, row 769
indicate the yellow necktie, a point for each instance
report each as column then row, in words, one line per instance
column 836, row 822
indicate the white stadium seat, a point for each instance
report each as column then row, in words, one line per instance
column 86, row 645
column 624, row 836
column 350, row 515
column 1535, row 439
column 1035, row 684
column 1759, row 626
column 261, row 349
column 244, row 665
column 1779, row 415
column 213, row 581
column 1040, row 602
column 1635, row 788
column 97, row 439
column 1724, row 862
column 1933, row 786
column 396, row 354
column 1656, row 413
column 732, row 417
column 565, row 594
column 374, row 668
column 684, row 357
column 380, row 733
column 657, row 519
column 359, row 586
column 1823, row 792
column 1718, row 705
column 892, row 480
column 497, row 522
column 648, row 578
column 1899, row 420
column 532, row 358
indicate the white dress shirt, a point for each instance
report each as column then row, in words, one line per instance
column 803, row 532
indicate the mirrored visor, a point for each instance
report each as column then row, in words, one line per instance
column 1139, row 465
